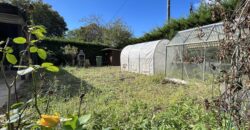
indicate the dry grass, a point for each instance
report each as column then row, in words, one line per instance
column 113, row 96
column 120, row 100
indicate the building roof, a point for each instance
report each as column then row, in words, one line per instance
column 11, row 14
column 110, row 49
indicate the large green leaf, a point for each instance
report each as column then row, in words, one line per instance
column 72, row 124
column 17, row 105
column 33, row 49
column 39, row 35
column 39, row 31
column 42, row 53
column 9, row 50
column 34, row 41
column 11, row 58
column 47, row 64
column 19, row 40
column 84, row 119
column 40, row 28
column 52, row 69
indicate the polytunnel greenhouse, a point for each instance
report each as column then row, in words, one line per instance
column 193, row 52
column 145, row 58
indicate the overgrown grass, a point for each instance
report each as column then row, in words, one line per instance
column 121, row 100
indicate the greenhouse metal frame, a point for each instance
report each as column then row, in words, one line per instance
column 192, row 52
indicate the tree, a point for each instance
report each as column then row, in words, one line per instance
column 113, row 34
column 20, row 3
column 92, row 31
column 116, row 34
column 89, row 33
column 43, row 14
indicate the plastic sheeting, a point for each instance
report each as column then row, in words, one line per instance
column 211, row 33
column 191, row 52
column 145, row 58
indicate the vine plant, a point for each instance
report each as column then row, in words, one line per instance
column 232, row 105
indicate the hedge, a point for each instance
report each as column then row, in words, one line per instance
column 91, row 50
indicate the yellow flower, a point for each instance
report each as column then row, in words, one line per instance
column 49, row 121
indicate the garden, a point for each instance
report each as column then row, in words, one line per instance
column 48, row 85
column 106, row 98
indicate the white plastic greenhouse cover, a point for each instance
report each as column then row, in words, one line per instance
column 145, row 58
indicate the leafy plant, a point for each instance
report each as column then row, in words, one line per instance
column 16, row 114
column 70, row 52
column 76, row 123
column 24, row 69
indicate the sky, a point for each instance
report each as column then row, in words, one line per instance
column 140, row 15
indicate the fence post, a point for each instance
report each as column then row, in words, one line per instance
column 166, row 58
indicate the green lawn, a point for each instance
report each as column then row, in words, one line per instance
column 122, row 100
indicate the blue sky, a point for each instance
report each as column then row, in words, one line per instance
column 140, row 15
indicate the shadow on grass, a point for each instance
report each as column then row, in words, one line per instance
column 67, row 83
column 61, row 85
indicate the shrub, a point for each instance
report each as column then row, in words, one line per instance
column 55, row 44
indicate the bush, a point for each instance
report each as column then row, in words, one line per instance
column 54, row 45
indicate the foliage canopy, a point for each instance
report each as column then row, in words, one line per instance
column 43, row 14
